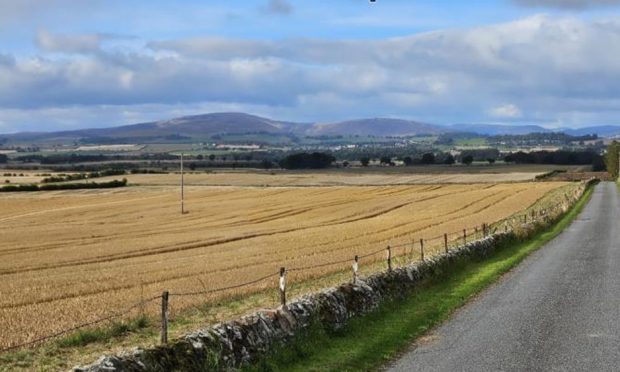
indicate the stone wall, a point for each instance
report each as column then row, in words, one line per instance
column 232, row 344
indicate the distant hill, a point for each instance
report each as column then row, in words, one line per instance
column 192, row 127
column 601, row 130
column 204, row 127
column 375, row 127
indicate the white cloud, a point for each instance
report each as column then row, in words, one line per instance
column 507, row 111
column 18, row 12
column 541, row 68
column 83, row 43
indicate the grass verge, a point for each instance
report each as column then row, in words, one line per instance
column 368, row 342
column 118, row 329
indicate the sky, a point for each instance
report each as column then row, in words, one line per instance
column 68, row 64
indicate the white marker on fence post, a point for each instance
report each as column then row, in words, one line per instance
column 389, row 258
column 355, row 268
column 283, row 286
column 164, row 317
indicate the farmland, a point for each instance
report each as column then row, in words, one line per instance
column 71, row 256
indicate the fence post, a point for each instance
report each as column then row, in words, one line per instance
column 464, row 236
column 484, row 229
column 422, row 249
column 355, row 268
column 445, row 242
column 164, row 317
column 282, row 286
column 389, row 257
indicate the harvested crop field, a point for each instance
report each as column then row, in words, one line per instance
column 72, row 256
column 277, row 179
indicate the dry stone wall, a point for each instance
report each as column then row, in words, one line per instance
column 232, row 344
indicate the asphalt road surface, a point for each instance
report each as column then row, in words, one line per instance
column 558, row 311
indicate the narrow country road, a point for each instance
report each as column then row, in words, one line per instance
column 558, row 311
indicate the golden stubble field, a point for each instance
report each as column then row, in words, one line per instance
column 72, row 256
column 279, row 178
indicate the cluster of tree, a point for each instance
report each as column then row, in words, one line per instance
column 3, row 159
column 64, row 186
column 561, row 157
column 430, row 158
column 611, row 159
column 489, row 155
column 304, row 160
column 145, row 171
column 426, row 158
column 554, row 138
column 83, row 176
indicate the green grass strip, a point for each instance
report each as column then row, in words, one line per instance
column 368, row 342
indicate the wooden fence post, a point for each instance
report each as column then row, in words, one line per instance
column 355, row 268
column 464, row 236
column 422, row 249
column 389, row 258
column 164, row 317
column 282, row 286
column 445, row 242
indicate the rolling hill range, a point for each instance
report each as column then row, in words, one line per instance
column 204, row 127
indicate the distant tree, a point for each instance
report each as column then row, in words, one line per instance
column 385, row 160
column 598, row 164
column 365, row 160
column 467, row 160
column 223, row 157
column 509, row 159
column 315, row 160
column 491, row 161
column 266, row 164
column 211, row 157
column 3, row 158
column 200, row 157
column 612, row 159
column 408, row 160
column 345, row 163
column 428, row 158
column 449, row 160
column 192, row 166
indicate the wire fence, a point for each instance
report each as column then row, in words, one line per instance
column 423, row 247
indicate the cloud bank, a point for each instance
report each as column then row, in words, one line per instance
column 538, row 69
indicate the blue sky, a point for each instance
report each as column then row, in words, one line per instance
column 68, row 64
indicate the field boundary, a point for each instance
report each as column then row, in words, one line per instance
column 234, row 344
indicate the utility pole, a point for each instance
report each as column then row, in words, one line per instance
column 182, row 187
